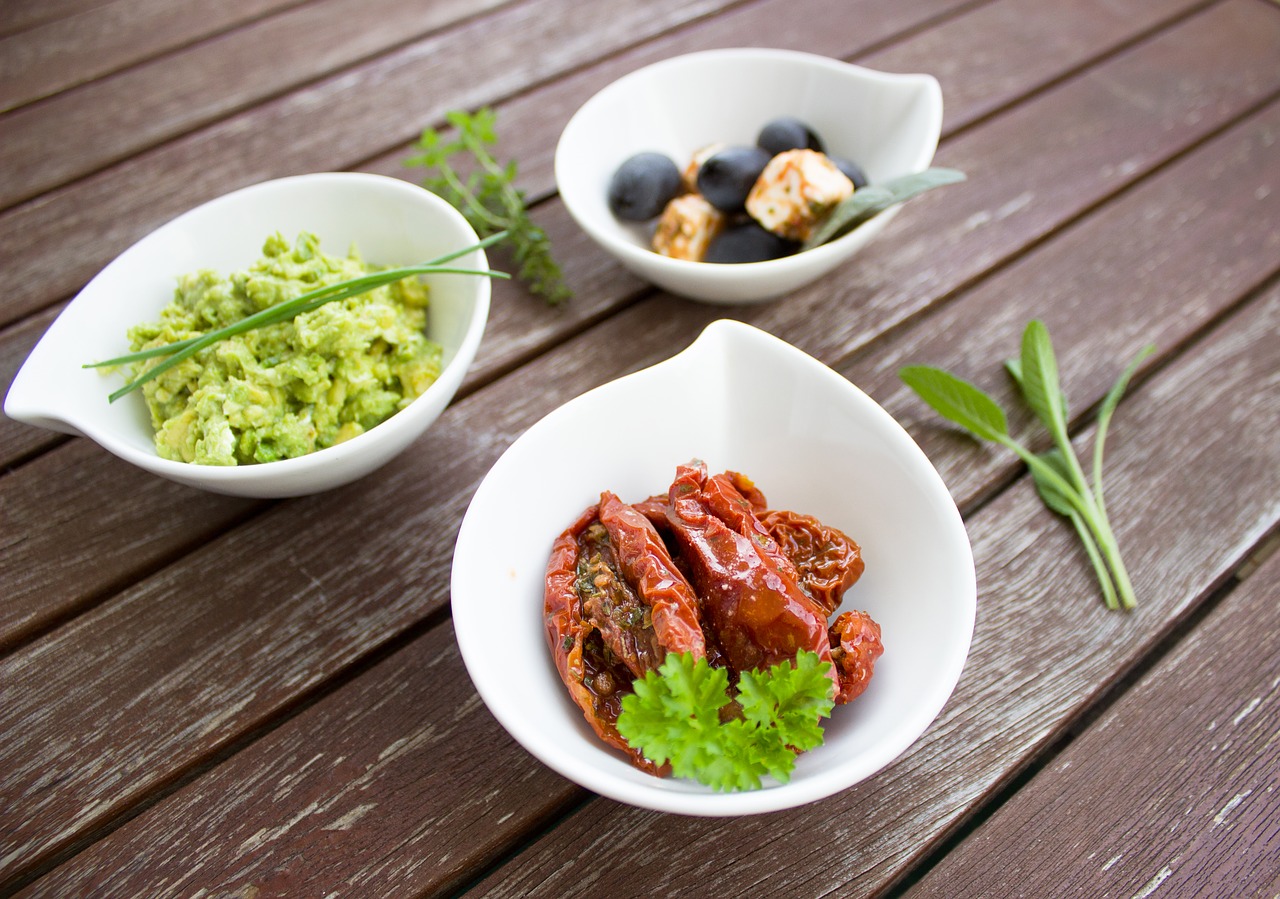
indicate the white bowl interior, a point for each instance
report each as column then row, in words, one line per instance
column 743, row 400
column 389, row 222
column 889, row 124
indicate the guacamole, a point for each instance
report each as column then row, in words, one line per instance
column 290, row 388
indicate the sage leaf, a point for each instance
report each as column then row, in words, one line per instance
column 873, row 199
column 957, row 401
column 1106, row 410
column 1054, row 498
column 850, row 212
column 1039, row 380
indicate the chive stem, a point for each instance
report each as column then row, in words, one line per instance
column 182, row 350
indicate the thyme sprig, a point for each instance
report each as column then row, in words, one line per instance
column 487, row 195
column 181, row 350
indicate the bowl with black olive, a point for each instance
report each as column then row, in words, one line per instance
column 721, row 175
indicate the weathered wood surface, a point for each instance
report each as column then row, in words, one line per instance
column 532, row 122
column 84, row 41
column 1174, row 788
column 337, row 785
column 1041, row 650
column 234, row 696
column 85, row 129
column 975, row 219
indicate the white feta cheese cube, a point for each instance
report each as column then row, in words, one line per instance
column 795, row 192
column 686, row 227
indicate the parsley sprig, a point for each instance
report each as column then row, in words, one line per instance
column 1059, row 477
column 487, row 196
column 676, row 716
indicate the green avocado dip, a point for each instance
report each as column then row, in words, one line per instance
column 290, row 388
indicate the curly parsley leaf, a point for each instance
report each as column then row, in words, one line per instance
column 465, row 173
column 676, row 715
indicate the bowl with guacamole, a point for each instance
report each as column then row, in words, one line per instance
column 305, row 403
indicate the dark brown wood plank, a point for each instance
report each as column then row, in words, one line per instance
column 361, row 783
column 60, row 48
column 1075, row 146
column 85, row 129
column 16, row 439
column 519, row 326
column 473, row 432
column 19, row 15
column 340, row 774
column 531, row 123
column 88, row 524
column 1171, row 792
column 1198, row 438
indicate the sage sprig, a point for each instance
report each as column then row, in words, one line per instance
column 182, row 350
column 1058, row 475
column 873, row 199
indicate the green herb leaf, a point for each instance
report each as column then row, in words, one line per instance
column 1107, row 410
column 675, row 716
column 1039, row 380
column 873, row 199
column 1059, row 479
column 487, row 196
column 957, row 401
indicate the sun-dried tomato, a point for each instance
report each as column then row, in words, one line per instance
column 855, row 646
column 615, row 604
column 707, row 569
column 828, row 561
column 753, row 603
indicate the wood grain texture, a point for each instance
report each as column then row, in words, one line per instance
column 1150, row 267
column 66, row 47
column 521, row 326
column 1043, row 648
column 161, row 833
column 17, row 439
column 19, row 15
column 163, row 592
column 1036, row 167
column 1172, row 792
column 109, row 119
column 482, row 61
column 369, row 780
column 69, row 536
column 1092, row 202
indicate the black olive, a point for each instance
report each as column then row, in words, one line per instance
column 642, row 186
column 725, row 178
column 851, row 170
column 787, row 133
column 748, row 242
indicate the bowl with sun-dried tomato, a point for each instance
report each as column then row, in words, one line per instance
column 758, row 595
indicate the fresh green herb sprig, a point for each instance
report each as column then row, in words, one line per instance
column 1059, row 477
column 868, row 202
column 675, row 716
column 182, row 350
column 487, row 196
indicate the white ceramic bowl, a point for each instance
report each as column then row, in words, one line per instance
column 888, row 124
column 390, row 222
column 739, row 399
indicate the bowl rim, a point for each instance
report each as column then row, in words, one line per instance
column 22, row 404
column 546, row 746
column 827, row 253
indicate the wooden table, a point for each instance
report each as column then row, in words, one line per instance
column 210, row 696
